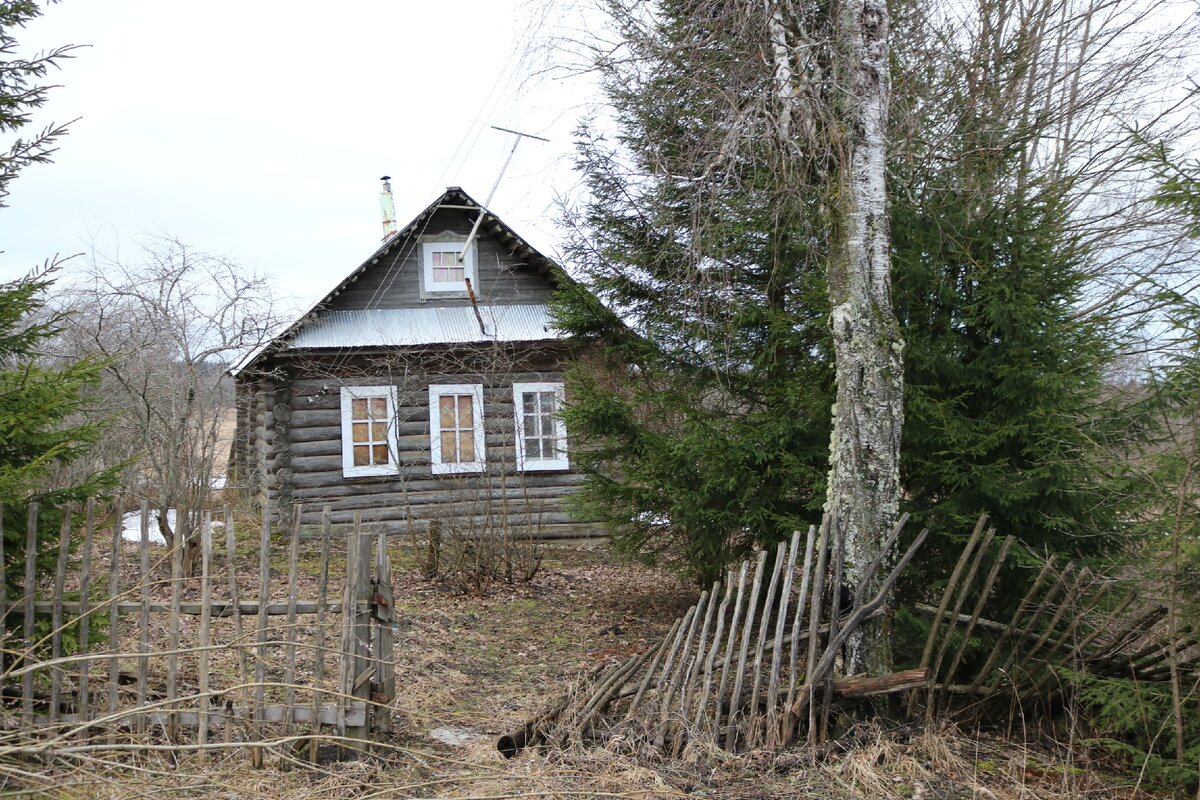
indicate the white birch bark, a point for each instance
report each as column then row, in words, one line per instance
column 864, row 479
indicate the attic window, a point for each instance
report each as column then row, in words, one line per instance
column 446, row 268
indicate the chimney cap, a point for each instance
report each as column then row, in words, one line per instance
column 386, row 178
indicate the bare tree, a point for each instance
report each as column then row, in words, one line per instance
column 170, row 326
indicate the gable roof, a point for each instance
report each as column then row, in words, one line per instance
column 338, row 330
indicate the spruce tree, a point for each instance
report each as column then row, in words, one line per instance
column 704, row 405
column 40, row 431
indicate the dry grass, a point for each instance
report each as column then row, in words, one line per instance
column 482, row 664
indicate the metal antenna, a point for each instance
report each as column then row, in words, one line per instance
column 488, row 203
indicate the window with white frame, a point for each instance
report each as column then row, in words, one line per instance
column 446, row 267
column 369, row 444
column 541, row 434
column 456, row 428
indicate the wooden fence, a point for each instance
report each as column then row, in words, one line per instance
column 753, row 665
column 118, row 642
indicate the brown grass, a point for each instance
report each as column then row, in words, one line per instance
column 482, row 664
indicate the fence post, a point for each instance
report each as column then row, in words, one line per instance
column 84, row 621
column 359, row 653
column 30, row 590
column 383, row 610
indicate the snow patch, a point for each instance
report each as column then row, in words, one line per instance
column 131, row 526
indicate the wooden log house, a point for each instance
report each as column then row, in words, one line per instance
column 425, row 387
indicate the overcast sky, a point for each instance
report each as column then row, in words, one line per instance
column 259, row 129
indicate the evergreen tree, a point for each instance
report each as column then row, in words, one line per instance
column 39, row 433
column 38, row 401
column 706, row 420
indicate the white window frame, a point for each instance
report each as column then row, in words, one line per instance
column 428, row 287
column 524, row 463
column 392, row 467
column 438, row 391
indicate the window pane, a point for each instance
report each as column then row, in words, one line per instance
column 455, row 275
column 466, row 444
column 380, row 452
column 547, row 425
column 446, row 410
column 465, row 419
column 439, row 275
column 449, row 455
column 362, row 455
column 529, row 402
column 379, row 408
column 361, row 431
column 358, row 408
column 533, row 447
column 547, row 402
column 379, row 431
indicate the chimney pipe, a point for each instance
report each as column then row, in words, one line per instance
column 388, row 206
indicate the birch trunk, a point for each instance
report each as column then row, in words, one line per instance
column 864, row 479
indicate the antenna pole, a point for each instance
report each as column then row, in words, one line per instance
column 488, row 203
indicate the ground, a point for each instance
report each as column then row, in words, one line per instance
column 470, row 668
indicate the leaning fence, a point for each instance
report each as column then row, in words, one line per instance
column 118, row 640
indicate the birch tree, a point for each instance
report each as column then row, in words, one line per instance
column 864, row 478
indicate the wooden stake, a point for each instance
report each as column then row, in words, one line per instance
column 260, row 658
column 173, row 638
column 56, row 616
column 143, row 668
column 735, row 698
column 205, row 623
column 788, row 724
column 319, row 657
column 30, row 589
column 84, row 632
column 289, row 670
column 759, row 650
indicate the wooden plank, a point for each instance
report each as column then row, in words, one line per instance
column 362, row 662
column 835, row 617
column 289, row 669
column 674, row 679
column 652, row 669
column 114, row 614
column 1051, row 596
column 143, row 662
column 735, row 696
column 760, row 649
column 345, row 655
column 714, row 650
column 944, row 605
column 260, row 654
column 786, row 723
column 188, row 608
column 385, row 664
column 935, row 667
column 814, row 619
column 236, row 610
column 30, row 589
column 273, row 713
column 56, row 617
column 83, row 634
column 977, row 612
column 697, row 664
column 206, row 547
column 785, row 598
column 730, row 643
column 319, row 650
column 173, row 636
column 1008, row 632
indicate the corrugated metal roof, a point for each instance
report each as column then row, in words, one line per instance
column 420, row 326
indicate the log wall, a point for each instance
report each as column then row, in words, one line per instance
column 299, row 445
